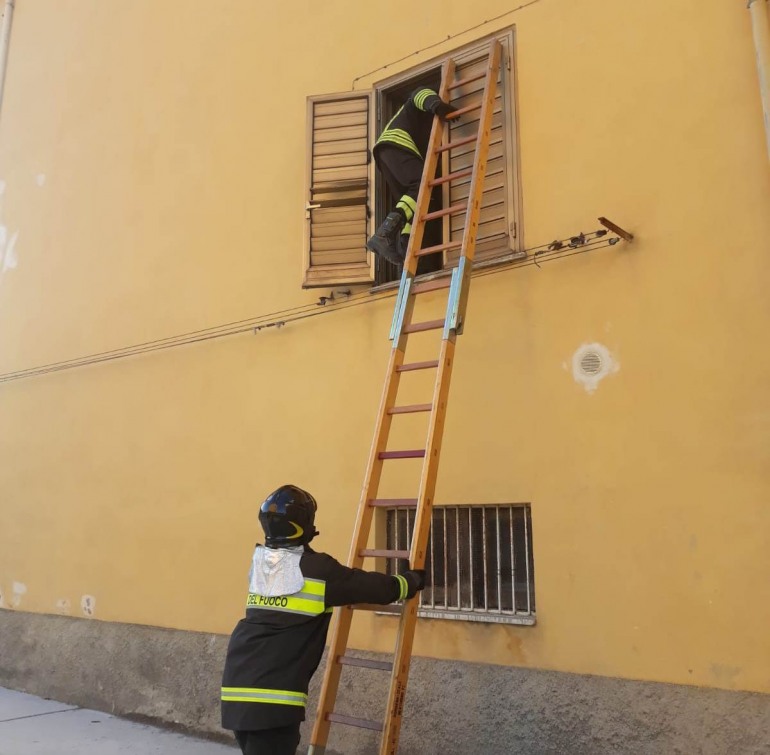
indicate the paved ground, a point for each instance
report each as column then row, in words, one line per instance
column 30, row 725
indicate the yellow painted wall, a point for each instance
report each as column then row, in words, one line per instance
column 153, row 155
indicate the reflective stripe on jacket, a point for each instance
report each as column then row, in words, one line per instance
column 256, row 695
column 410, row 127
column 309, row 601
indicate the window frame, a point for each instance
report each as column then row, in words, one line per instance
column 365, row 274
column 515, row 247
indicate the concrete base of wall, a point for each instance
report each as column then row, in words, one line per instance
column 172, row 677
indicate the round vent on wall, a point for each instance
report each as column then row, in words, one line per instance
column 591, row 363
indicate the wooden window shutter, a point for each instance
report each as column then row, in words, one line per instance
column 496, row 235
column 338, row 179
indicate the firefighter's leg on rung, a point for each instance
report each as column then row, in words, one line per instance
column 407, row 205
column 403, row 172
column 407, row 170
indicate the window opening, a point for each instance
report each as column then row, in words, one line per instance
column 480, row 564
column 347, row 196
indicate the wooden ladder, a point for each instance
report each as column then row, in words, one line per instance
column 401, row 328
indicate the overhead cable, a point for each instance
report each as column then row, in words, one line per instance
column 537, row 255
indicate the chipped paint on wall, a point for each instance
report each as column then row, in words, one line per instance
column 88, row 605
column 40, row 179
column 724, row 675
column 19, row 589
column 63, row 605
column 591, row 363
column 8, row 257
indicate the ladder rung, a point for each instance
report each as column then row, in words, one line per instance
column 450, row 177
column 438, row 248
column 350, row 660
column 455, row 209
column 458, row 143
column 434, row 285
column 361, row 723
column 464, row 110
column 410, row 409
column 419, row 327
column 383, row 553
column 417, row 453
column 461, row 82
column 411, row 366
column 394, row 503
column 389, row 608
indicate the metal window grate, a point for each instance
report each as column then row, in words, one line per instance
column 479, row 563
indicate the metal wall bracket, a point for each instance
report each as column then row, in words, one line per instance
column 453, row 302
column 616, row 229
column 400, row 309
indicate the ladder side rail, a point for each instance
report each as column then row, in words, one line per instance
column 428, row 173
column 420, row 532
column 408, row 620
column 399, row 677
column 331, row 680
column 341, row 630
column 468, row 248
column 374, row 464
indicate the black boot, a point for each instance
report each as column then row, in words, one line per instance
column 385, row 239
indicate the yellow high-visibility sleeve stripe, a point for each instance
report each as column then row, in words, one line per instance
column 421, row 96
column 314, row 586
column 249, row 690
column 234, row 699
column 408, row 212
column 260, row 695
column 408, row 205
column 403, row 586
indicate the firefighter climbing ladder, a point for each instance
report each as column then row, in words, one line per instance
column 400, row 330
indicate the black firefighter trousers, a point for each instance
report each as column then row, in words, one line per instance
column 279, row 741
column 403, row 173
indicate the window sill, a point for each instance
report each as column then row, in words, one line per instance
column 501, row 261
column 480, row 617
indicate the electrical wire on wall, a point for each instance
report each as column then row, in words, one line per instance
column 538, row 255
column 443, row 41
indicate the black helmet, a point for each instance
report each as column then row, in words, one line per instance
column 288, row 517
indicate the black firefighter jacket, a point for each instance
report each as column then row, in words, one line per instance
column 275, row 650
column 409, row 129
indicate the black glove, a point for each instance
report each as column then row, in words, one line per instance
column 443, row 109
column 415, row 579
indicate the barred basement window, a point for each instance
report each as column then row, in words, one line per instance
column 479, row 564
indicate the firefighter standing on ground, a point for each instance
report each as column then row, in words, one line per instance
column 275, row 650
column 400, row 156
